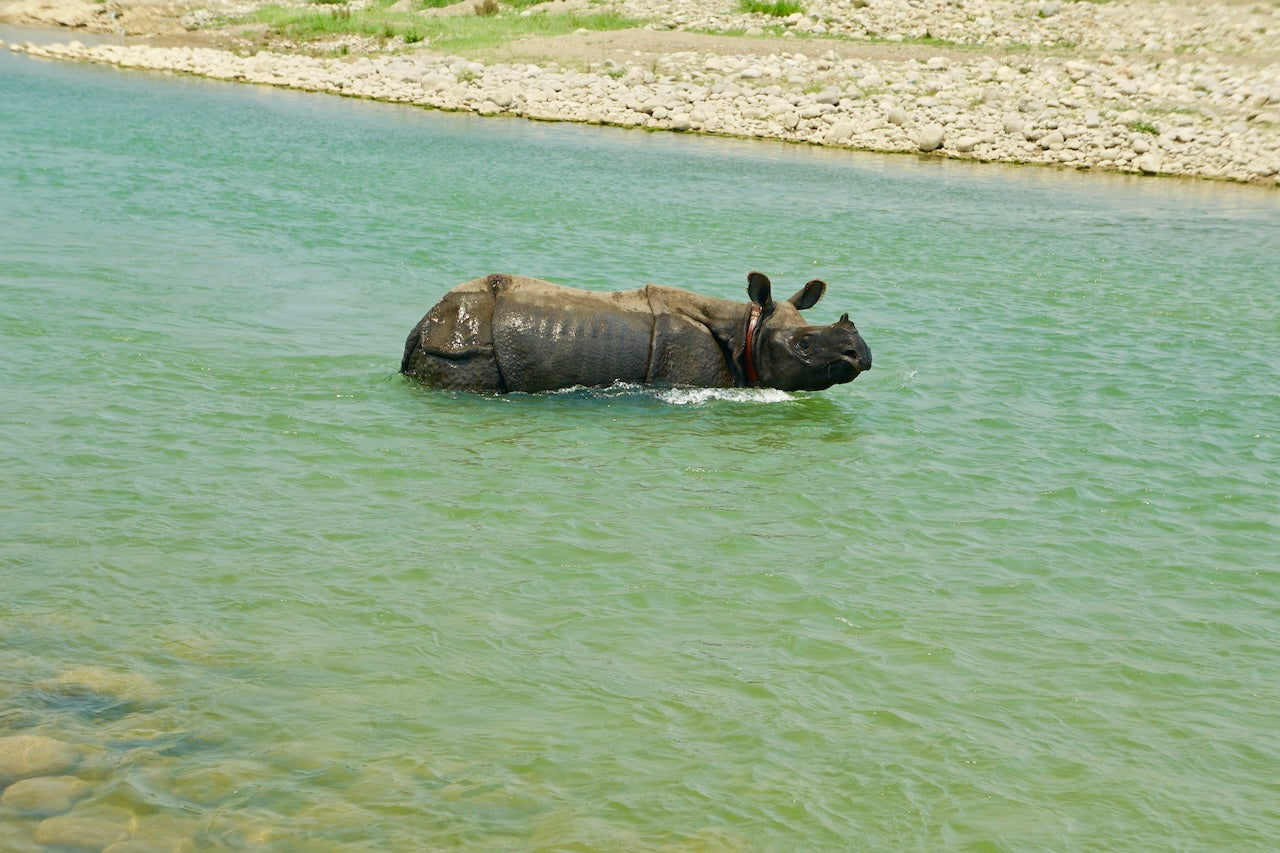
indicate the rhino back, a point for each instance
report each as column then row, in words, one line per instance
column 547, row 337
column 514, row 333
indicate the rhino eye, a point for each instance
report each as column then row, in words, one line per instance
column 805, row 342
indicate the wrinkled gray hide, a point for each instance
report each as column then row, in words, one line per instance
column 511, row 333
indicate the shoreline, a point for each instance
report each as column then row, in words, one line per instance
column 1112, row 103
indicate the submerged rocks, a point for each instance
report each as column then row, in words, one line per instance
column 44, row 795
column 51, row 790
column 105, row 684
column 27, row 756
column 96, row 830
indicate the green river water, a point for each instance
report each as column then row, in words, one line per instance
column 1013, row 589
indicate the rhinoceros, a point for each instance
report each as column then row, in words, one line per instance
column 507, row 333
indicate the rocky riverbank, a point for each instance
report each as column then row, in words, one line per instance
column 1131, row 86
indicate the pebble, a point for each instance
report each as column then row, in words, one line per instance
column 930, row 137
column 89, row 831
column 830, row 96
column 1049, row 140
column 1149, row 163
column 44, row 795
column 840, row 133
column 103, row 683
column 28, row 756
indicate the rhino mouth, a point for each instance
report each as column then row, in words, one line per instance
column 842, row 371
column 845, row 370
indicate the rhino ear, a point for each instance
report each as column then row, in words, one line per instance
column 808, row 296
column 759, row 289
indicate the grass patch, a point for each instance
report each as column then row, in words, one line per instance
column 475, row 33
column 324, row 21
column 770, row 31
column 462, row 33
column 776, row 8
column 1143, row 127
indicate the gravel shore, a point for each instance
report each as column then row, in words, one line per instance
column 1190, row 89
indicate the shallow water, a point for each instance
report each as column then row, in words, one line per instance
column 1013, row 589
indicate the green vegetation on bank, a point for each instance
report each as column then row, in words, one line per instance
column 493, row 24
column 775, row 8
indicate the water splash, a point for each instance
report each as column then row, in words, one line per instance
column 700, row 396
column 679, row 396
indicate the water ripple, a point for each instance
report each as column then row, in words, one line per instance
column 1011, row 589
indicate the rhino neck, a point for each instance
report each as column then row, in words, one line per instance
column 723, row 319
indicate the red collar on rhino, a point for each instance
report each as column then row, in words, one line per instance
column 748, row 357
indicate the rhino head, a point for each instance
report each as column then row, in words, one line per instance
column 784, row 352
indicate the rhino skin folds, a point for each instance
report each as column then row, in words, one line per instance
column 512, row 333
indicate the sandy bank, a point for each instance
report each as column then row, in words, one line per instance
column 1186, row 89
